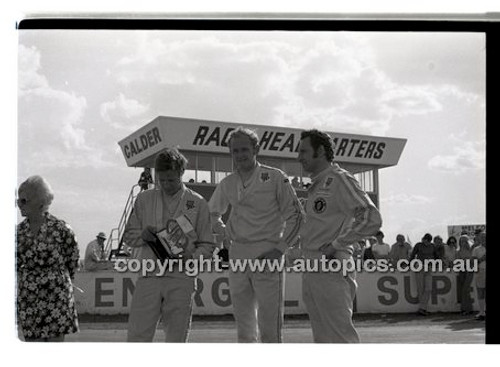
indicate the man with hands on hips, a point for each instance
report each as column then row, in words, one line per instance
column 338, row 214
column 264, row 222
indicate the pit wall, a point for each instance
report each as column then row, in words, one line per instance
column 110, row 293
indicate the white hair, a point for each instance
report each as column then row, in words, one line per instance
column 40, row 188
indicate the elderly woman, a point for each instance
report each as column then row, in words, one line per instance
column 47, row 258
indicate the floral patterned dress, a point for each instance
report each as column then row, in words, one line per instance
column 45, row 266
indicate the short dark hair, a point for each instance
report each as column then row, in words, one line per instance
column 320, row 138
column 427, row 237
column 452, row 238
column 170, row 159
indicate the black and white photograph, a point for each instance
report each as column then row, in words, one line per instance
column 251, row 179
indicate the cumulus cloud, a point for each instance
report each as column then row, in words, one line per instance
column 433, row 58
column 324, row 75
column 335, row 81
column 462, row 95
column 50, row 117
column 29, row 66
column 122, row 111
column 415, row 100
column 53, row 116
column 201, row 61
column 207, row 77
column 465, row 157
column 406, row 199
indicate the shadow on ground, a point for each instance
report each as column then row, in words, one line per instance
column 453, row 321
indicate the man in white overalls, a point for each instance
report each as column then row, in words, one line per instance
column 169, row 296
column 338, row 215
column 264, row 221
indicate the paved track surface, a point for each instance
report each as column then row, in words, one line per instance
column 391, row 328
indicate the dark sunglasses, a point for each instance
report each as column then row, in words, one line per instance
column 22, row 201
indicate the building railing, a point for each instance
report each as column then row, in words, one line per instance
column 114, row 244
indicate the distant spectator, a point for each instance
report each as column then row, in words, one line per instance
column 359, row 249
column 476, row 240
column 400, row 249
column 439, row 247
column 380, row 248
column 423, row 251
column 191, row 180
column 95, row 256
column 479, row 253
column 295, row 182
column 464, row 279
column 450, row 252
column 368, row 253
column 145, row 179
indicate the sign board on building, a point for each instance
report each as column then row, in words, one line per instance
column 468, row 229
column 275, row 141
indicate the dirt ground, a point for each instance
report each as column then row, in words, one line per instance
column 439, row 328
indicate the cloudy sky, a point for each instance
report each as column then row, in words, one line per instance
column 80, row 92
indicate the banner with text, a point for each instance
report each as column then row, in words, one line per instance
column 110, row 292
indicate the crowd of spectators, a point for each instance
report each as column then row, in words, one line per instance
column 375, row 247
column 464, row 247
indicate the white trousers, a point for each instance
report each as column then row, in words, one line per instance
column 257, row 298
column 165, row 297
column 329, row 298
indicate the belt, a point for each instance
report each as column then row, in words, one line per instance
column 317, row 254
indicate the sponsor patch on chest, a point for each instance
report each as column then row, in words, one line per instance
column 264, row 177
column 328, row 182
column 319, row 205
column 189, row 204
